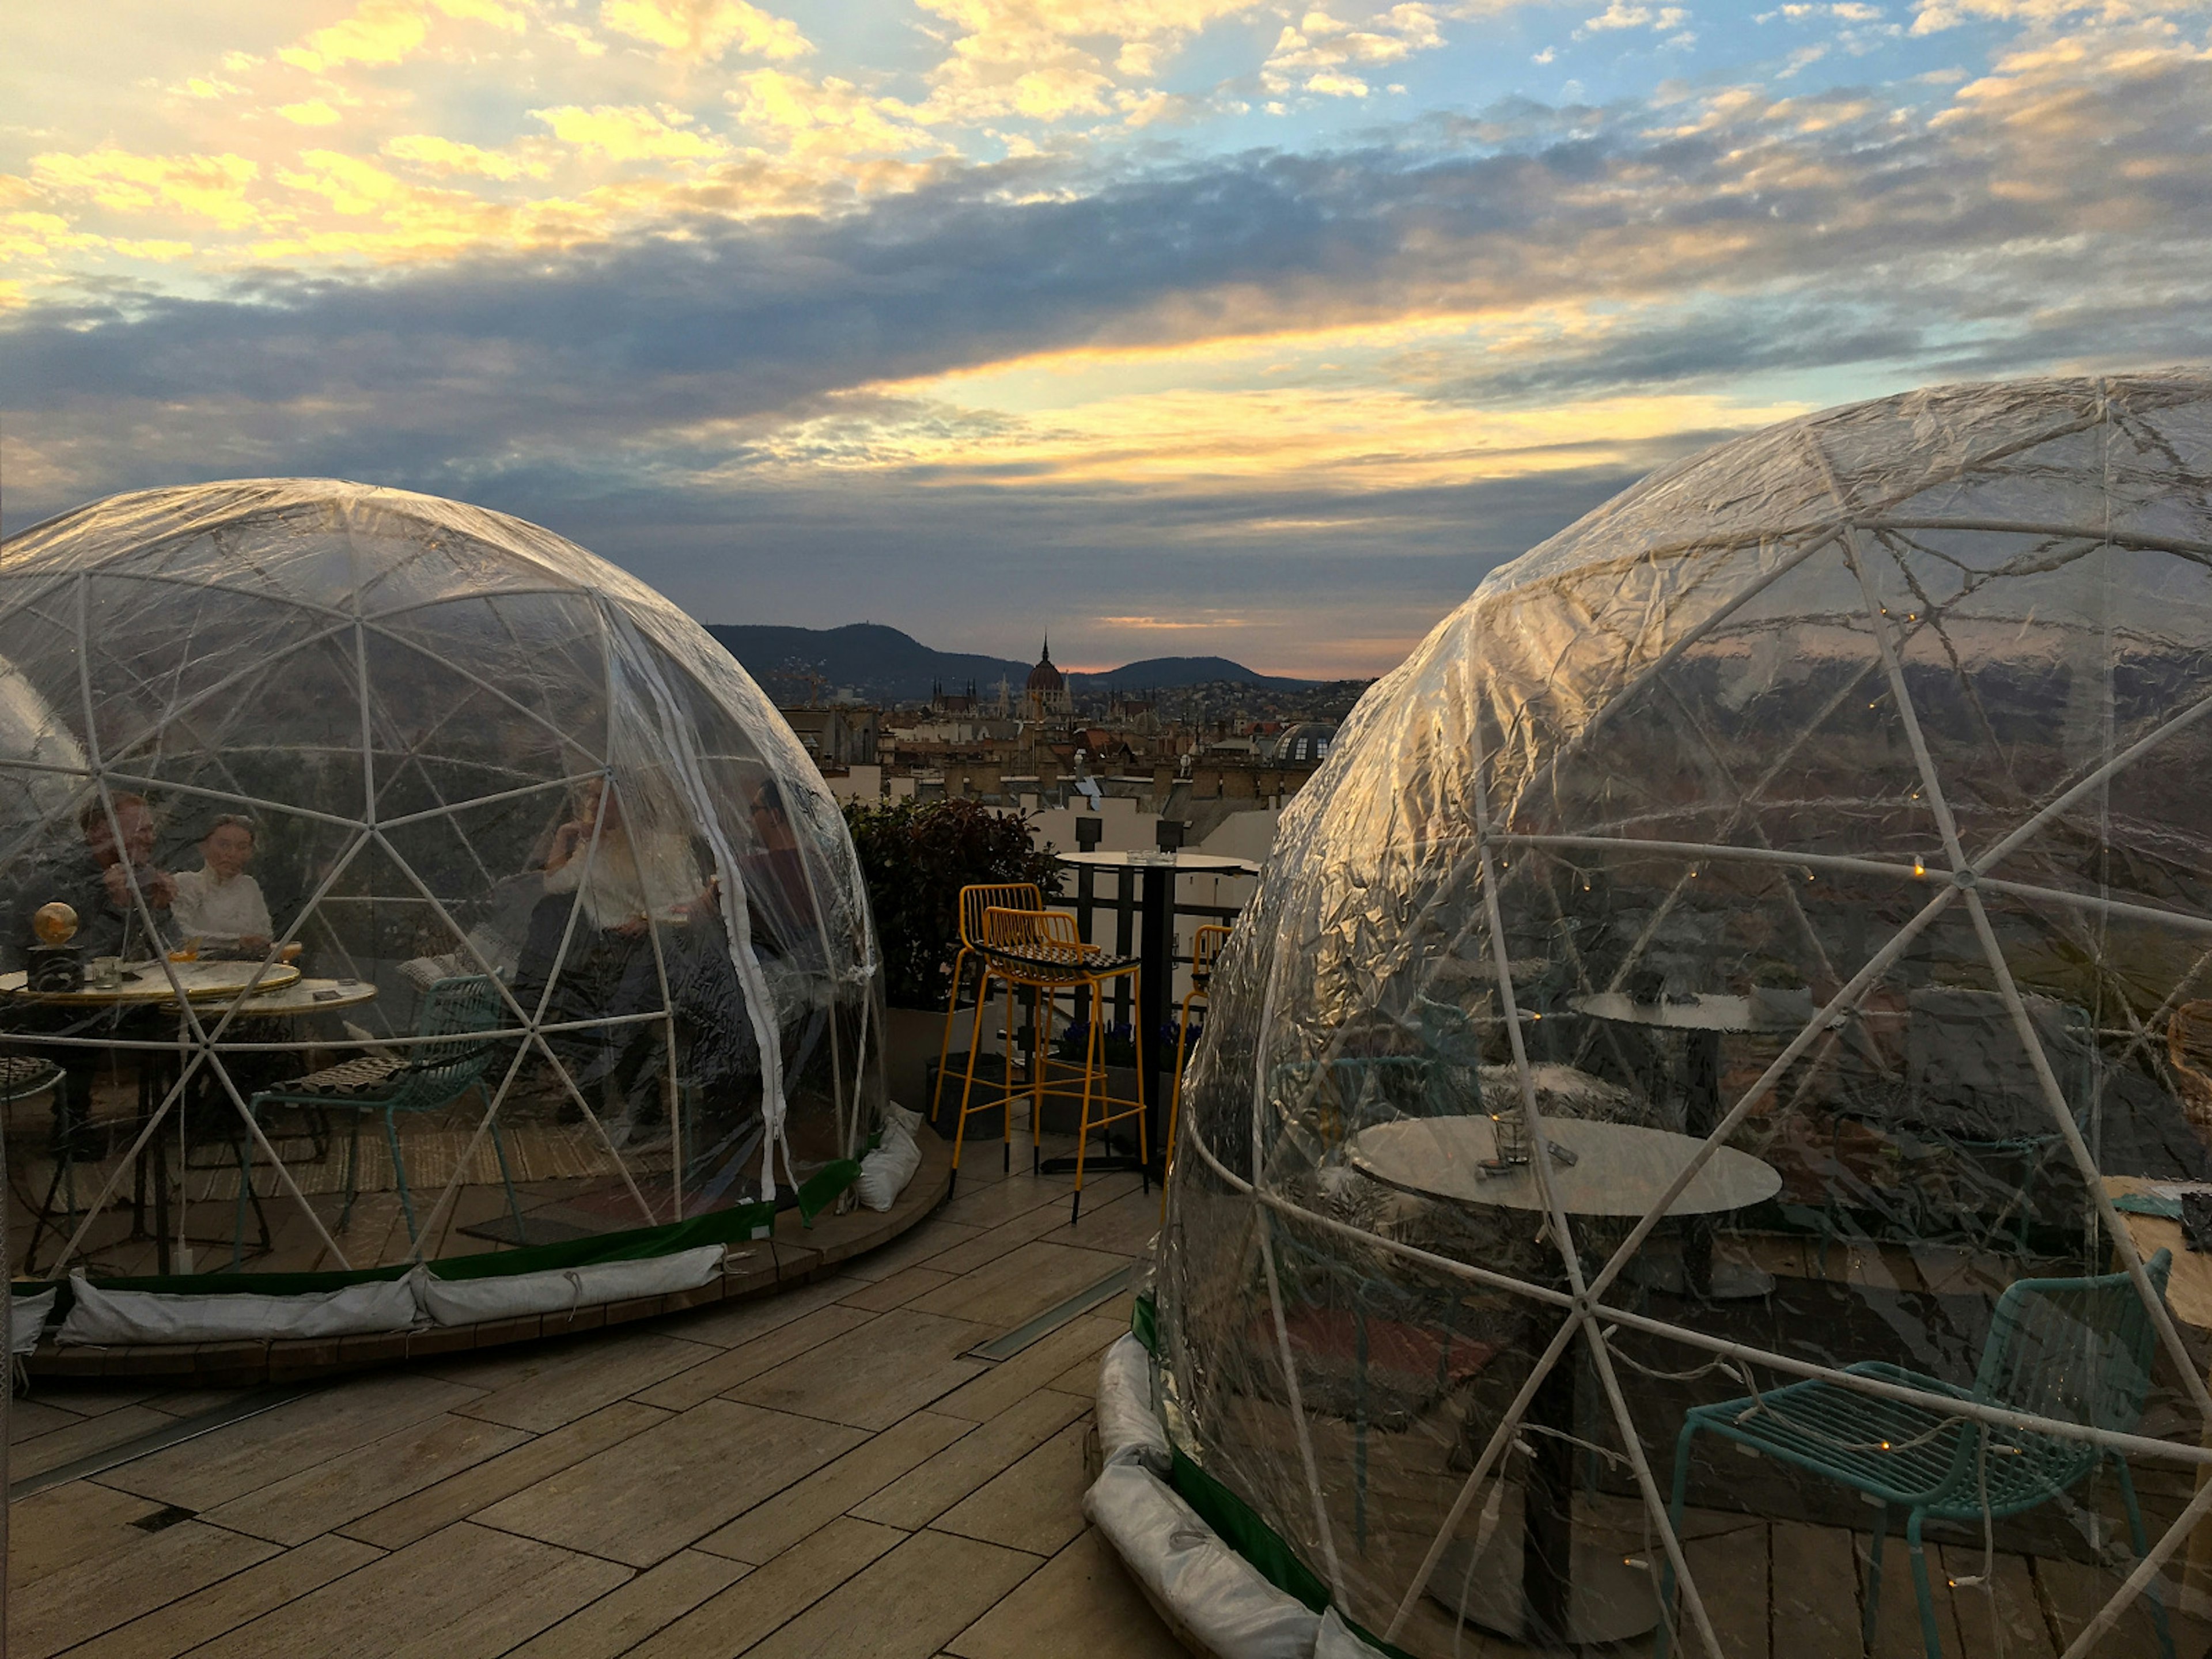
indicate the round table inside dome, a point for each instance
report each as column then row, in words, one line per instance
column 152, row 982
column 1580, row 1595
column 1620, row 1169
column 156, row 984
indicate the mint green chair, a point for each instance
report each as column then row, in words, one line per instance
column 424, row 1077
column 2078, row 1350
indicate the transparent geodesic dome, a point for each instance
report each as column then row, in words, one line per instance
column 1800, row 861
column 524, row 852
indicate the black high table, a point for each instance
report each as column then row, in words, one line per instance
column 1702, row 1020
column 1155, row 956
column 1546, row 1588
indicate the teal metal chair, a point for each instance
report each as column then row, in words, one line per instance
column 424, row 1077
column 2078, row 1350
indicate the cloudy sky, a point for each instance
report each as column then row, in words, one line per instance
column 1173, row 325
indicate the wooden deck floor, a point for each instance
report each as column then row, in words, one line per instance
column 827, row 1473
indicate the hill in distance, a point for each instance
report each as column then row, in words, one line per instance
column 885, row 666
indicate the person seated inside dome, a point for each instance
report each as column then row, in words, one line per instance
column 623, row 883
column 92, row 873
column 219, row 904
column 779, row 902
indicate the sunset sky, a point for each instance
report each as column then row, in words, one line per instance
column 1173, row 326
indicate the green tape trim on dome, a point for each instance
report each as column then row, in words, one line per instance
column 820, row 1190
column 1145, row 1324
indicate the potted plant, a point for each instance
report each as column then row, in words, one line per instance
column 915, row 856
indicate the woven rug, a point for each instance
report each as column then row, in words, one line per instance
column 534, row 1153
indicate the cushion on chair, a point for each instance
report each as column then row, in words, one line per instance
column 366, row 1075
column 23, row 1073
column 423, row 972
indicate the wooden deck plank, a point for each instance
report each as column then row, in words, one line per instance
column 1897, row 1632
column 1125, row 1227
column 2018, row 1625
column 399, row 1524
column 585, row 1374
column 764, row 1352
column 367, row 1478
column 929, row 1238
column 626, row 1615
column 768, row 1596
column 919, row 1497
column 229, row 1602
column 468, row 1592
column 62, row 1528
column 29, row 1419
column 1000, row 1238
column 990, row 1203
column 896, row 1291
column 1020, row 1285
column 646, row 1498
column 1816, row 1592
column 80, row 1436
column 1079, row 1605
column 739, row 1324
column 1730, row 1571
column 905, row 1606
column 1033, row 1368
column 303, row 1434
column 872, row 1375
column 1036, row 1505
column 105, row 1590
column 767, row 1529
column 2072, row 1591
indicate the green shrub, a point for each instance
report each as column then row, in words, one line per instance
column 915, row 857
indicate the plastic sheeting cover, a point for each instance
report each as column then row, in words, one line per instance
column 1826, row 812
column 437, row 745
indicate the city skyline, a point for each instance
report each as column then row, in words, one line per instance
column 1186, row 327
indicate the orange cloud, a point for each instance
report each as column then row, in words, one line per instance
column 701, row 31
column 381, row 31
column 1322, row 52
column 1353, row 440
column 444, row 158
column 632, row 133
column 1044, row 60
column 391, row 31
column 826, row 116
column 210, row 187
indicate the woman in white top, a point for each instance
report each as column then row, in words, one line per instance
column 630, row 874
column 220, row 905
column 626, row 880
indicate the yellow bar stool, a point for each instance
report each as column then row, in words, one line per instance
column 1205, row 950
column 1042, row 953
column 973, row 901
